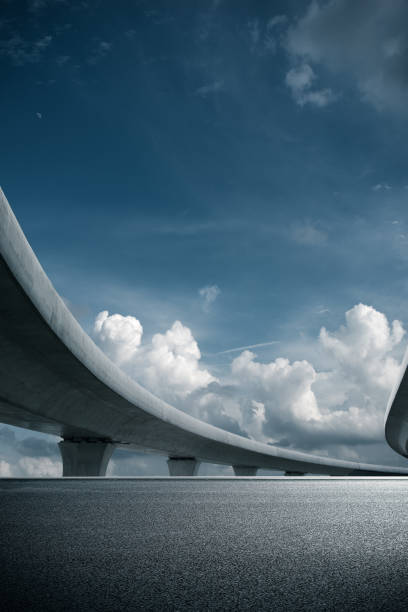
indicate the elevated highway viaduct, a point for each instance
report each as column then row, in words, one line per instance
column 54, row 379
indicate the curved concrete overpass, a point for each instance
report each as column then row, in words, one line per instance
column 54, row 379
column 396, row 417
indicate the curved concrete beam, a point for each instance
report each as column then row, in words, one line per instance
column 396, row 417
column 54, row 379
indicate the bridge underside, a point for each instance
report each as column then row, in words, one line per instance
column 55, row 380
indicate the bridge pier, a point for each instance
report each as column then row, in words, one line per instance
column 244, row 470
column 290, row 473
column 183, row 466
column 85, row 457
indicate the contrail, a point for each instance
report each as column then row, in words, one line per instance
column 242, row 348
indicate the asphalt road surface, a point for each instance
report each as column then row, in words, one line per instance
column 282, row 544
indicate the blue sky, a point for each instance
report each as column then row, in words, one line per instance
column 255, row 151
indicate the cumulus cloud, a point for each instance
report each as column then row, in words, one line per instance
column 5, row 469
column 169, row 364
column 362, row 348
column 209, row 294
column 295, row 404
column 284, row 386
column 330, row 411
column 118, row 336
column 344, row 404
column 367, row 40
column 300, row 80
column 39, row 467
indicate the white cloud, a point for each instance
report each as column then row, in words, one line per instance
column 118, row 336
column 300, row 80
column 38, row 467
column 169, row 364
column 362, row 348
column 5, row 469
column 285, row 386
column 344, row 404
column 289, row 403
column 367, row 40
column 209, row 294
column 327, row 411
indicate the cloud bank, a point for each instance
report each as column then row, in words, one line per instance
column 328, row 410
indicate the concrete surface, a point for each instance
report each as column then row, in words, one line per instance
column 179, row 466
column 396, row 418
column 85, row 458
column 244, row 470
column 54, row 379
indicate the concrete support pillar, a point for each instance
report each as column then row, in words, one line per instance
column 290, row 473
column 244, row 470
column 183, row 466
column 85, row 457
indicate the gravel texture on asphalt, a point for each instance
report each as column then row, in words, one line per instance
column 283, row 544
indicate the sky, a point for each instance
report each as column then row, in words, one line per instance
column 219, row 192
